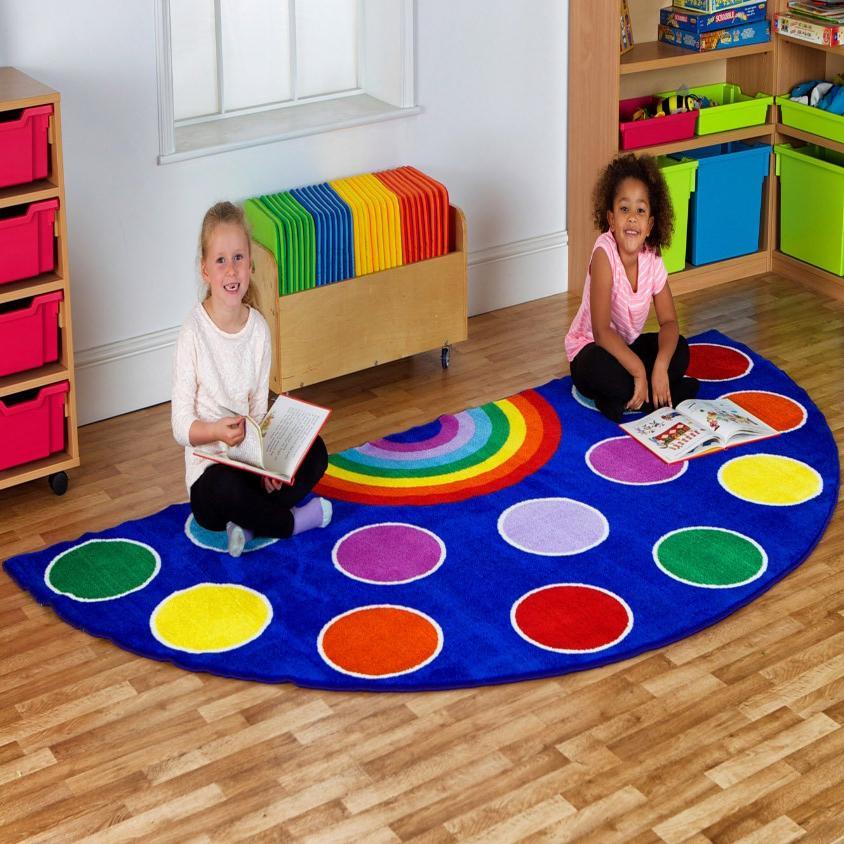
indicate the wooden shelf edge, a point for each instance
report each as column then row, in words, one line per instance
column 720, row 272
column 61, row 461
column 763, row 130
column 800, row 135
column 29, row 192
column 836, row 51
column 31, row 379
column 814, row 277
column 17, row 90
column 654, row 55
column 46, row 283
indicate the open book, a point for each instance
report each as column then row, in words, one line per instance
column 697, row 427
column 277, row 445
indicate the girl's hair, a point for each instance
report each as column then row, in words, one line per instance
column 644, row 169
column 224, row 212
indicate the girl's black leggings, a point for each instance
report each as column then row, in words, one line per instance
column 222, row 494
column 599, row 376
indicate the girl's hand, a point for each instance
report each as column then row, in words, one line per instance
column 271, row 484
column 660, row 388
column 231, row 429
column 640, row 393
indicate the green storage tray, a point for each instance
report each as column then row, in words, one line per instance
column 811, row 119
column 734, row 110
column 812, row 205
column 680, row 177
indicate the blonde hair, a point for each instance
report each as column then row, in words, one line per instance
column 218, row 214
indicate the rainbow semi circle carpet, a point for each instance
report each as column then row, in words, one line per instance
column 525, row 538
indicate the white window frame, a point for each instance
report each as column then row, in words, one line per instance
column 381, row 96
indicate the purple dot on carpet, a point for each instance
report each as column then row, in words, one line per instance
column 623, row 460
column 553, row 527
column 389, row 552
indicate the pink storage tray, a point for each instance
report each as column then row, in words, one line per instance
column 30, row 430
column 27, row 242
column 29, row 337
column 656, row 130
column 23, row 146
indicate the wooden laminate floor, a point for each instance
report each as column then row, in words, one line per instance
column 734, row 734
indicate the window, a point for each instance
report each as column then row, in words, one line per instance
column 235, row 73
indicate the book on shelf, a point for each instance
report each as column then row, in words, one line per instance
column 626, row 43
column 276, row 446
column 823, row 14
column 814, row 32
column 697, row 427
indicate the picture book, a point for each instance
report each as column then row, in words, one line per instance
column 276, row 446
column 697, row 427
column 824, row 14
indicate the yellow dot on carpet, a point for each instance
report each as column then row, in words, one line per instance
column 770, row 479
column 211, row 617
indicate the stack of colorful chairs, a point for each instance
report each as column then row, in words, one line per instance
column 350, row 227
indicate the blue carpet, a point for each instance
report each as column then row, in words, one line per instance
column 522, row 539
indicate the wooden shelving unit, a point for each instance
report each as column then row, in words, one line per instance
column 654, row 55
column 18, row 91
column 596, row 73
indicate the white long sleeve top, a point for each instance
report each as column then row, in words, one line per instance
column 214, row 370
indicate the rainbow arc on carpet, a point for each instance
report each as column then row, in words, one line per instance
column 524, row 538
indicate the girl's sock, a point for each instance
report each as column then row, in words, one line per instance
column 238, row 537
column 316, row 513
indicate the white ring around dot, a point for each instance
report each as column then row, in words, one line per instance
column 430, row 659
column 753, row 542
column 536, row 644
column 684, row 464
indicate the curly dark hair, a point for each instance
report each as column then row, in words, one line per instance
column 644, row 169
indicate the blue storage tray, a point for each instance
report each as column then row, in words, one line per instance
column 725, row 209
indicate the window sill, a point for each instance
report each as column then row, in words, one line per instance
column 267, row 127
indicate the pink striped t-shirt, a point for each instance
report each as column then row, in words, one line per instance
column 628, row 310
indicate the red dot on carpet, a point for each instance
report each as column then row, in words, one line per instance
column 714, row 362
column 572, row 617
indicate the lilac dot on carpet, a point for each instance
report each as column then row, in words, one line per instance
column 624, row 461
column 388, row 553
column 553, row 527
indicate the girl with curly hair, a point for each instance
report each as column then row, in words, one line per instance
column 611, row 361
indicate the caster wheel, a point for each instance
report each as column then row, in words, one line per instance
column 58, row 483
column 445, row 357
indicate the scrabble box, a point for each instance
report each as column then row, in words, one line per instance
column 698, row 22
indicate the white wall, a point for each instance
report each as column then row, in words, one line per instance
column 491, row 79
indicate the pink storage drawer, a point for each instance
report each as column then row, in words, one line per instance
column 32, row 428
column 23, row 146
column 656, row 130
column 29, row 336
column 27, row 242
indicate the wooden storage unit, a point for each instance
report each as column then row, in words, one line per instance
column 599, row 77
column 18, row 91
column 360, row 322
column 799, row 61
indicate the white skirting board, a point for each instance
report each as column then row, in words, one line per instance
column 131, row 374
